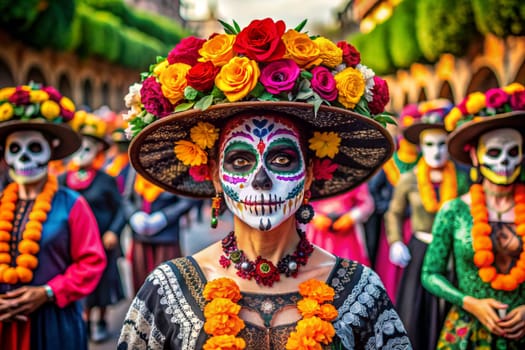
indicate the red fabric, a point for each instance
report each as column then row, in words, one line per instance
column 15, row 335
column 87, row 252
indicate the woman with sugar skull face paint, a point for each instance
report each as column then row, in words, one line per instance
column 433, row 181
column 264, row 285
column 483, row 230
column 50, row 251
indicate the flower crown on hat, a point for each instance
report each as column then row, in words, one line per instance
column 262, row 62
column 434, row 111
column 89, row 124
column 479, row 105
column 33, row 102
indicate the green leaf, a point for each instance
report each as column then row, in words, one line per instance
column 304, row 95
column 159, row 59
column 301, row 25
column 184, row 106
column 266, row 96
column 217, row 93
column 190, row 93
column 258, row 90
column 306, row 75
column 204, row 103
column 228, row 29
column 384, row 119
column 237, row 28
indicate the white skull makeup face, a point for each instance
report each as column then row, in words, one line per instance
column 87, row 153
column 262, row 170
column 27, row 153
column 433, row 143
column 499, row 155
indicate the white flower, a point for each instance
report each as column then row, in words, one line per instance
column 368, row 74
column 132, row 99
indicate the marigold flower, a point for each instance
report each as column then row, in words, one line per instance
column 204, row 134
column 50, row 109
column 221, row 306
column 218, row 50
column 298, row 341
column 223, row 324
column 303, row 50
column 351, row 86
column 173, row 81
column 189, row 153
column 238, row 78
column 330, row 54
column 27, row 260
column 308, row 307
column 28, row 247
column 24, row 274
column 328, row 312
column 317, row 329
column 224, row 342
column 317, row 290
column 325, row 144
column 6, row 111
column 222, row 288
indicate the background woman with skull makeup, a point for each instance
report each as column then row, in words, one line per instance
column 85, row 176
column 51, row 255
column 434, row 180
column 251, row 140
column 484, row 229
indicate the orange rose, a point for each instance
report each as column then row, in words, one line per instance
column 351, row 86
column 331, row 55
column 224, row 342
column 238, row 78
column 173, row 81
column 222, row 288
column 218, row 50
column 300, row 48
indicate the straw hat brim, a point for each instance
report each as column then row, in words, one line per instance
column 412, row 132
column 69, row 140
column 469, row 132
column 365, row 145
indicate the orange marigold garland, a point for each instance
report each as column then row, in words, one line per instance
column 28, row 247
column 482, row 243
column 447, row 189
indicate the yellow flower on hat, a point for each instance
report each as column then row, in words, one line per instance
column 452, row 118
column 204, row 134
column 303, row 50
column 512, row 88
column 38, row 96
column 50, row 109
column 331, row 55
column 325, row 144
column 6, row 111
column 189, row 153
column 5, row 93
column 161, row 67
column 238, row 78
column 218, row 50
column 66, row 103
column 173, row 81
column 476, row 102
column 351, row 86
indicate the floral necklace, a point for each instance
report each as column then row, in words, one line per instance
column 146, row 189
column 223, row 322
column 262, row 270
column 482, row 243
column 447, row 189
column 28, row 247
column 118, row 163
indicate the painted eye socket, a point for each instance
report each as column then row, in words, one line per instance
column 35, row 147
column 514, row 151
column 283, row 160
column 14, row 148
column 493, row 152
column 429, row 144
column 239, row 161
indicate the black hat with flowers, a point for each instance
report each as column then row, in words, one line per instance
column 177, row 110
column 479, row 113
column 39, row 108
column 91, row 125
column 431, row 115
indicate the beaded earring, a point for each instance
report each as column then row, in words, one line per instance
column 475, row 176
column 215, row 209
column 305, row 213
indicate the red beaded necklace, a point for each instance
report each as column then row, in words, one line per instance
column 262, row 270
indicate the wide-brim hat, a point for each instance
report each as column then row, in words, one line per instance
column 412, row 132
column 431, row 115
column 102, row 140
column 69, row 140
column 467, row 134
column 365, row 145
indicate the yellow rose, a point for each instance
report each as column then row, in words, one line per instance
column 351, row 86
column 331, row 55
column 452, row 118
column 50, row 109
column 476, row 101
column 6, row 111
column 238, row 78
column 173, row 81
column 38, row 96
column 5, row 93
column 300, row 48
column 66, row 103
column 218, row 50
column 159, row 68
column 78, row 119
column 509, row 89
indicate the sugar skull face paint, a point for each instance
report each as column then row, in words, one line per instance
column 262, row 170
column 433, row 143
column 500, row 154
column 86, row 154
column 27, row 153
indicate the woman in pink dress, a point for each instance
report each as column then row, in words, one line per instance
column 338, row 224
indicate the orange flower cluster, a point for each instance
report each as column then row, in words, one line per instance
column 482, row 243
column 447, row 190
column 222, row 315
column 315, row 328
column 28, row 247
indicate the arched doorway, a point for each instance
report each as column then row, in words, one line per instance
column 6, row 76
column 35, row 75
column 64, row 86
column 483, row 80
column 446, row 91
column 87, row 95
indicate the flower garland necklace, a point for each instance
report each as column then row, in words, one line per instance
column 28, row 246
column 146, row 189
column 223, row 322
column 447, row 188
column 262, row 270
column 482, row 243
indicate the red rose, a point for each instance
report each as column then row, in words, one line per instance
column 324, row 169
column 351, row 57
column 200, row 173
column 19, row 97
column 261, row 40
column 380, row 94
column 202, row 76
column 53, row 93
column 517, row 101
column 496, row 98
column 153, row 99
column 186, row 51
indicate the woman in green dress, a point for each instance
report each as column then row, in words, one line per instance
column 484, row 229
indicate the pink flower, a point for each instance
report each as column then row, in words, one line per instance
column 323, row 83
column 280, row 76
column 67, row 114
column 517, row 101
column 153, row 99
column 186, row 51
column 496, row 98
column 462, row 106
column 53, row 93
column 381, row 96
column 324, row 169
column 461, row 332
column 19, row 97
column 261, row 40
column 351, row 57
column 200, row 173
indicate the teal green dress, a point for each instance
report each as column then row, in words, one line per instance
column 461, row 330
